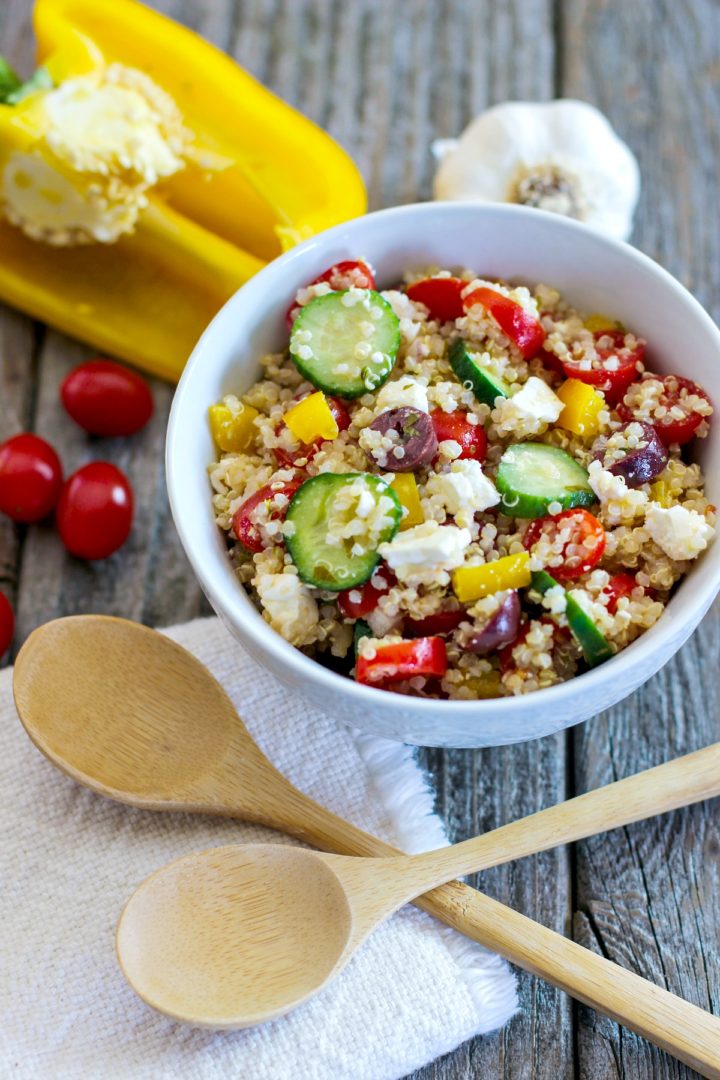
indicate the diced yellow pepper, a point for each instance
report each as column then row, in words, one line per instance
column 582, row 407
column 233, row 431
column 487, row 685
column 596, row 323
column 660, row 493
column 406, row 490
column 472, row 582
column 312, row 419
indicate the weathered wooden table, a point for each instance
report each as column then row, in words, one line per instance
column 385, row 79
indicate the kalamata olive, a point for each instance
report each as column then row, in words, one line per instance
column 502, row 628
column 642, row 465
column 416, row 443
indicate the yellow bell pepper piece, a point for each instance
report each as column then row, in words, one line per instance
column 487, row 685
column 312, row 419
column 582, row 408
column 596, row 323
column 406, row 489
column 256, row 177
column 472, row 582
column 660, row 493
column 233, row 429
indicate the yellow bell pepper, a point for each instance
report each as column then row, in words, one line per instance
column 596, row 323
column 472, row 582
column 487, row 685
column 136, row 265
column 311, row 419
column 406, row 489
column 582, row 408
column 660, row 493
column 232, row 426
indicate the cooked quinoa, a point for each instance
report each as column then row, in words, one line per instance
column 387, row 487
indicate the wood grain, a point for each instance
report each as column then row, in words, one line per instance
column 385, row 79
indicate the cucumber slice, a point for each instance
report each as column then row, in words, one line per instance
column 360, row 630
column 346, row 343
column 334, row 566
column 485, row 386
column 595, row 646
column 531, row 476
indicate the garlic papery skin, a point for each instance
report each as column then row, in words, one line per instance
column 562, row 156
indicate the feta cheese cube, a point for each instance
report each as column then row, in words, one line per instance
column 529, row 411
column 681, row 533
column 464, row 490
column 424, row 555
column 401, row 393
column 289, row 606
column 619, row 502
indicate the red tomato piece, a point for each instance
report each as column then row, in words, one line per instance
column 581, row 551
column 343, row 275
column 106, row 398
column 550, row 360
column 242, row 524
column 30, row 478
column 7, row 624
column 441, row 296
column 615, row 367
column 455, row 425
column 360, row 601
column 442, row 622
column 673, row 429
column 523, row 329
column 403, row 660
column 307, row 451
column 95, row 511
column 618, row 586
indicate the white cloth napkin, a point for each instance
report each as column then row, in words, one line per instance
column 69, row 860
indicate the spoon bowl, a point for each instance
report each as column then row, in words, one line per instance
column 235, row 936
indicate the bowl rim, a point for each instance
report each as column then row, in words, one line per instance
column 238, row 610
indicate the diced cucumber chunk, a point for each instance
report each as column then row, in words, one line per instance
column 531, row 476
column 595, row 647
column 323, row 559
column 360, row 630
column 485, row 386
column 346, row 343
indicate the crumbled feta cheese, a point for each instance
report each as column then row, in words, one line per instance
column 290, row 608
column 464, row 490
column 681, row 533
column 401, row 393
column 529, row 411
column 619, row 502
column 425, row 553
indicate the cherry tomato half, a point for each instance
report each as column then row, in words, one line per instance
column 615, row 365
column 106, row 398
column 523, row 329
column 30, row 478
column 358, row 602
column 455, row 426
column 442, row 622
column 403, row 660
column 441, row 296
column 307, row 451
column 95, row 512
column 581, row 551
column 618, row 586
column 245, row 528
column 347, row 274
column 7, row 624
column 675, row 393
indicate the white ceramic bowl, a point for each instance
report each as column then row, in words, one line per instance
column 596, row 274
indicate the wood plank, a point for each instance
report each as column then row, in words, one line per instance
column 649, row 896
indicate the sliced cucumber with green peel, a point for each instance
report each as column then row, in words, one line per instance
column 531, row 476
column 346, row 343
column 333, row 566
column 595, row 647
column 485, row 386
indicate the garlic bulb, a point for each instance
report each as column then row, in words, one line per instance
column 561, row 156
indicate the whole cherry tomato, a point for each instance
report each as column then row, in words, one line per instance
column 455, row 426
column 676, row 394
column 441, row 296
column 343, row 275
column 308, row 451
column 95, row 512
column 583, row 548
column 358, row 602
column 614, row 367
column 523, row 328
column 106, row 398
column 7, row 624
column 243, row 525
column 30, row 478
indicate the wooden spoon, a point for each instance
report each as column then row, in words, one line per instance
column 125, row 711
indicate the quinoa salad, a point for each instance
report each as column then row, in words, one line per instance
column 459, row 488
